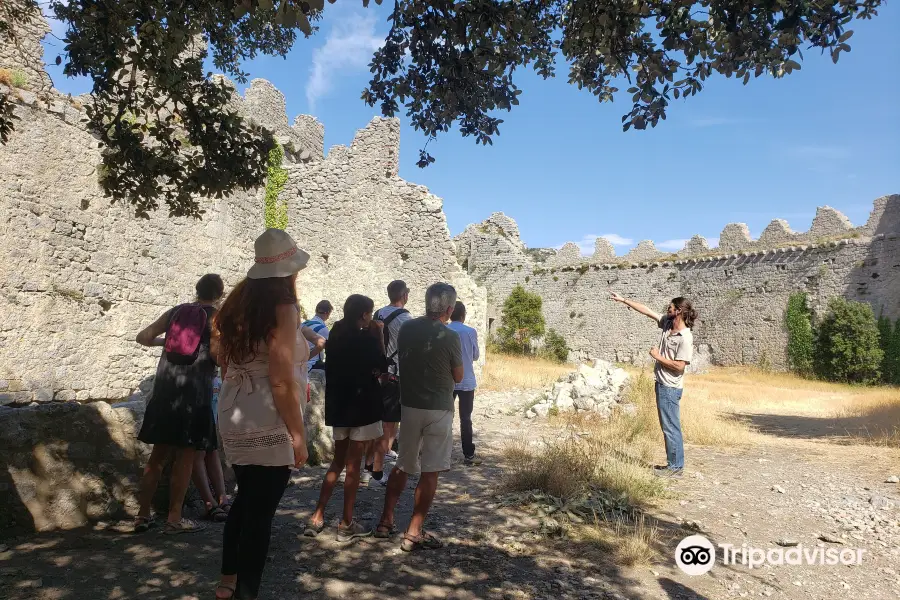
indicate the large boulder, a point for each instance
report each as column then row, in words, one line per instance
column 63, row 465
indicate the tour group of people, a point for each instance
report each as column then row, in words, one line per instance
column 234, row 375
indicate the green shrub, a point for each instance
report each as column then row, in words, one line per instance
column 798, row 320
column 522, row 321
column 276, row 212
column 19, row 79
column 889, row 338
column 555, row 348
column 847, row 344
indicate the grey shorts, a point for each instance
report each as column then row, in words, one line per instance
column 426, row 440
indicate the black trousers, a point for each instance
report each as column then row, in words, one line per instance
column 466, row 405
column 245, row 543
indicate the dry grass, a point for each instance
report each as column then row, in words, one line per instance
column 707, row 418
column 854, row 414
column 590, row 456
column 6, row 77
column 621, row 542
column 591, row 459
column 504, row 372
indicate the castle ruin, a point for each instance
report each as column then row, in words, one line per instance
column 740, row 288
column 80, row 277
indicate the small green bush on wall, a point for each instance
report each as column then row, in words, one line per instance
column 847, row 347
column 798, row 320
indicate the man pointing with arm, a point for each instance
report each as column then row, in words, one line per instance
column 672, row 355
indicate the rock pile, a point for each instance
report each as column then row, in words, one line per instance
column 598, row 389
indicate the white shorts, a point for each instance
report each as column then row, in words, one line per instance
column 368, row 432
column 427, row 440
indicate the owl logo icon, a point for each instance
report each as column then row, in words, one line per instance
column 695, row 555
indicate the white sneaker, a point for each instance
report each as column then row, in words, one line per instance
column 364, row 477
column 390, row 455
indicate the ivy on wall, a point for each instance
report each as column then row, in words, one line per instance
column 276, row 211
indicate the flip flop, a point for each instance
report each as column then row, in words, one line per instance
column 226, row 586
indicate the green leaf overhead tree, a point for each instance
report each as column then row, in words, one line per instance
column 168, row 135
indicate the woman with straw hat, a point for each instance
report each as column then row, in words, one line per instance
column 260, row 410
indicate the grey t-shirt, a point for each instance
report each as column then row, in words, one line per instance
column 393, row 332
column 429, row 350
column 673, row 345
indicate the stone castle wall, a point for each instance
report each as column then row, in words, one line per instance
column 740, row 288
column 21, row 51
column 80, row 277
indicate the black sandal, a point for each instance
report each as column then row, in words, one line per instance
column 389, row 530
column 142, row 524
column 217, row 514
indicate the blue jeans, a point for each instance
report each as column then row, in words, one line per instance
column 667, row 404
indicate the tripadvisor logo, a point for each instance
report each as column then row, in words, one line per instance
column 695, row 555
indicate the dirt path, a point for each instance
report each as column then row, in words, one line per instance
column 785, row 488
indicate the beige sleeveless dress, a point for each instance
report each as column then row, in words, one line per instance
column 252, row 431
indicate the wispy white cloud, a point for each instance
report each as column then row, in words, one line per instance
column 617, row 240
column 671, row 245
column 713, row 242
column 348, row 47
column 586, row 244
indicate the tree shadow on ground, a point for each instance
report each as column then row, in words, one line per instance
column 490, row 553
column 65, row 464
column 878, row 423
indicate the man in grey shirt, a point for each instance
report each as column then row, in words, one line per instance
column 672, row 355
column 431, row 361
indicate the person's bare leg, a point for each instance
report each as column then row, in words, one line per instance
column 425, row 491
column 383, row 444
column 178, row 484
column 331, row 478
column 380, row 447
column 159, row 456
column 216, row 476
column 390, row 434
column 201, row 480
column 368, row 452
column 351, row 480
column 396, row 485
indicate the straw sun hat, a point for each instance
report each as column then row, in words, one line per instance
column 277, row 255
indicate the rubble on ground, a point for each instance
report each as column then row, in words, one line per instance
column 598, row 388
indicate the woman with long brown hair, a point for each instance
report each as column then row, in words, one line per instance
column 263, row 356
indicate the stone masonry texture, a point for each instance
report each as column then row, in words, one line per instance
column 740, row 288
column 80, row 277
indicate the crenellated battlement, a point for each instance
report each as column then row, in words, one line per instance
column 740, row 287
column 828, row 225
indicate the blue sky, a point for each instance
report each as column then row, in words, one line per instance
column 563, row 168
